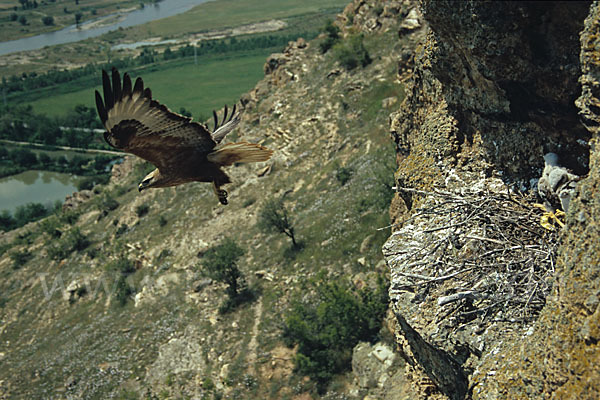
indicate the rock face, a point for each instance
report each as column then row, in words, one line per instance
column 493, row 90
column 561, row 359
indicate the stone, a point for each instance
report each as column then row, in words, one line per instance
column 366, row 244
column 388, row 102
column 199, row 285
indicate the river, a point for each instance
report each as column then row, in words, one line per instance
column 162, row 9
column 35, row 187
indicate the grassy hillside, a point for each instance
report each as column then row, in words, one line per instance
column 109, row 299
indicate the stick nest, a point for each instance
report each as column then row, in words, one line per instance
column 477, row 254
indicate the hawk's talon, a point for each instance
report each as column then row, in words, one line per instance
column 222, row 194
column 549, row 218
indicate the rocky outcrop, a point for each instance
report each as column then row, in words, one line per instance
column 493, row 90
column 562, row 357
column 73, row 201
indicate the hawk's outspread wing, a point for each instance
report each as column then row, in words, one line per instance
column 182, row 150
column 137, row 124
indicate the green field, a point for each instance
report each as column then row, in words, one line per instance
column 199, row 88
column 229, row 13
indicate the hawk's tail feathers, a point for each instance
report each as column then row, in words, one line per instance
column 241, row 152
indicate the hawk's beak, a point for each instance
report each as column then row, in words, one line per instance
column 143, row 185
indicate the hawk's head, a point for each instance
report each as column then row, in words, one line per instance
column 150, row 180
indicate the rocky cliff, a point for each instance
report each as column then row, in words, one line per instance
column 491, row 297
column 489, row 304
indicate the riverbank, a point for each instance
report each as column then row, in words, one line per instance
column 201, row 21
column 64, row 148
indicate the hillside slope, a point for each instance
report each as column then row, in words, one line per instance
column 107, row 299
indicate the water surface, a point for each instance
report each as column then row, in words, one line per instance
column 163, row 9
column 35, row 187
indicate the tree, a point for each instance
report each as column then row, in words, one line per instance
column 48, row 20
column 78, row 18
column 220, row 264
column 7, row 222
column 23, row 20
column 274, row 217
column 327, row 328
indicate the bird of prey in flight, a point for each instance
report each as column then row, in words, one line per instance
column 181, row 150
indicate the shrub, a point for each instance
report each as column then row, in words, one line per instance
column 121, row 230
column 122, row 265
column 351, row 53
column 7, row 222
column 30, row 212
column 273, row 217
column 108, row 203
column 142, row 210
column 48, row 20
column 51, row 226
column 121, row 268
column 343, row 175
column 220, row 264
column 162, row 221
column 77, row 241
column 20, row 258
column 327, row 330
column 74, row 241
column 333, row 36
column 122, row 291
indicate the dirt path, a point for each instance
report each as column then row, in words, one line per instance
column 253, row 345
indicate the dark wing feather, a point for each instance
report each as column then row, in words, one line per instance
column 139, row 125
column 227, row 125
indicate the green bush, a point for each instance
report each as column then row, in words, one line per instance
column 20, row 258
column 122, row 291
column 326, row 330
column 7, row 222
column 51, row 226
column 352, row 53
column 333, row 36
column 121, row 268
column 142, row 210
column 274, row 217
column 73, row 241
column 121, row 230
column 162, row 221
column 122, row 265
column 220, row 264
column 107, row 203
column 343, row 175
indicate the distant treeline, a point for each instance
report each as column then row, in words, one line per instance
column 25, row 214
column 22, row 124
column 23, row 159
column 25, row 81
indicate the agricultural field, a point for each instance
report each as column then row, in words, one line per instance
column 198, row 88
column 215, row 15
